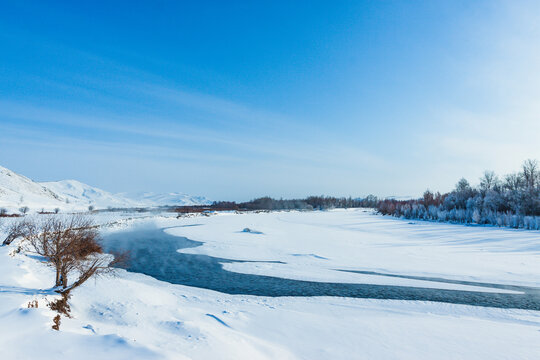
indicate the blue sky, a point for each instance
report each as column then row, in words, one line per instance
column 235, row 100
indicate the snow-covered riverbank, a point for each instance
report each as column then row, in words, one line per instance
column 134, row 316
column 312, row 244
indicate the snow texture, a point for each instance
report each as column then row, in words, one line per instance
column 133, row 316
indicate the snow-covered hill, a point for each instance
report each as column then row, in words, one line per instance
column 17, row 191
column 173, row 198
column 76, row 192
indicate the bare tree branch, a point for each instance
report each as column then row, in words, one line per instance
column 71, row 246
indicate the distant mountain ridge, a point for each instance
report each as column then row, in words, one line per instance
column 172, row 198
column 76, row 192
column 17, row 191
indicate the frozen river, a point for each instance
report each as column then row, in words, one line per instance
column 154, row 252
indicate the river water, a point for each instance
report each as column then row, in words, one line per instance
column 153, row 252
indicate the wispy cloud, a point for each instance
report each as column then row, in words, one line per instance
column 498, row 125
column 187, row 141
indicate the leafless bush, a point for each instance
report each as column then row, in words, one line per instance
column 56, row 321
column 15, row 230
column 71, row 246
column 61, row 305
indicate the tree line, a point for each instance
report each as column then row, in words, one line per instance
column 511, row 201
column 310, row 203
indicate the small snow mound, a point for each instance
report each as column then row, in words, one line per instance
column 311, row 255
column 89, row 327
column 251, row 231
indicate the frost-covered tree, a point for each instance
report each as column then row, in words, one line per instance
column 514, row 202
column 531, row 174
column 488, row 181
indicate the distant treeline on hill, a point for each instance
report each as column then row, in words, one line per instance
column 513, row 201
column 309, row 203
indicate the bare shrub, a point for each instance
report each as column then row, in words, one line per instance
column 71, row 246
column 15, row 230
column 56, row 321
column 61, row 305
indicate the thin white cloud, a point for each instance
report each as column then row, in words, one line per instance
column 499, row 125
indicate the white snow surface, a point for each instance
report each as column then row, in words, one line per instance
column 172, row 198
column 17, row 191
column 313, row 244
column 132, row 316
column 85, row 195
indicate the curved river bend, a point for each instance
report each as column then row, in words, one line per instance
column 153, row 252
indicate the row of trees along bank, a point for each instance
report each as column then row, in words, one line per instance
column 512, row 201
